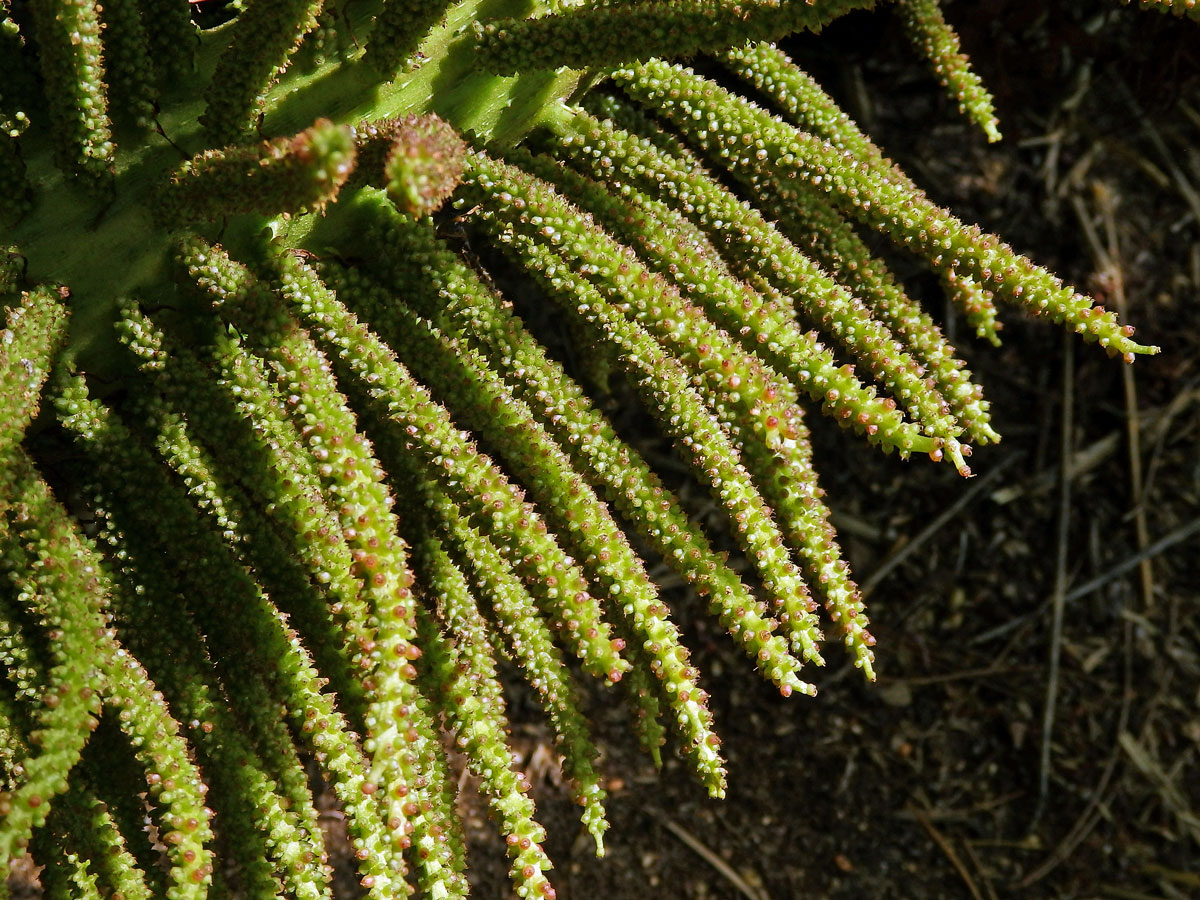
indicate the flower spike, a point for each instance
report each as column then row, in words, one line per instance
column 469, row 475
column 399, row 734
column 1174, row 7
column 663, row 384
column 47, row 531
column 811, row 223
column 753, row 142
column 84, row 828
column 268, row 33
column 68, row 35
column 529, row 642
column 472, row 700
column 602, row 35
column 131, row 75
column 462, row 377
column 806, row 105
column 779, row 272
column 287, row 568
column 749, row 399
column 930, row 34
column 70, row 610
column 271, row 835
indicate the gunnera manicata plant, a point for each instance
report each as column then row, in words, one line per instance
column 244, row 521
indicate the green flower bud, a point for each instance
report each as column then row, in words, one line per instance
column 424, row 163
column 287, row 175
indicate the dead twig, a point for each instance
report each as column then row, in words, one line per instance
column 987, row 882
column 1189, row 193
column 1172, row 796
column 1060, row 579
column 1164, row 418
column 964, row 674
column 1090, row 817
column 959, row 815
column 1166, row 542
column 1169, row 540
column 1120, row 893
column 1153, row 423
column 1187, row 879
column 696, row 846
column 945, row 847
column 1106, row 260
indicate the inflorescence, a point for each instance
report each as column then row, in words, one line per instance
column 291, row 511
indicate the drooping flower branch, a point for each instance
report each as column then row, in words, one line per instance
column 929, row 32
column 754, row 145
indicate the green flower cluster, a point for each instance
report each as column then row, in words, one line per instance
column 283, row 476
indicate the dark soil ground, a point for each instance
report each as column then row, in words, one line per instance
column 934, row 782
